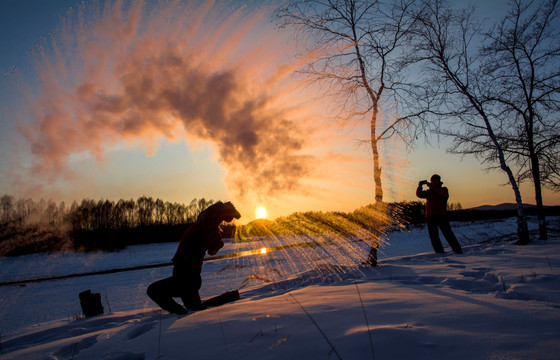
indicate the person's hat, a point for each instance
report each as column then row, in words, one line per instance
column 228, row 210
column 219, row 211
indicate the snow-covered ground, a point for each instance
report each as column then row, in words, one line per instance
column 497, row 301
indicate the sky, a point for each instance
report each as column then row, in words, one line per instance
column 194, row 100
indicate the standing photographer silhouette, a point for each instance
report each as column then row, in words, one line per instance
column 436, row 213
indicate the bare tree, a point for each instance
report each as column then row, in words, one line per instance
column 51, row 212
column 457, row 87
column 159, row 206
column 551, row 169
column 6, row 205
column 359, row 49
column 21, row 211
column 522, row 59
column 145, row 209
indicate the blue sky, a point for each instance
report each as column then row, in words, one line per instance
column 177, row 166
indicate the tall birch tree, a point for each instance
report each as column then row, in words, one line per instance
column 456, row 89
column 521, row 57
column 360, row 50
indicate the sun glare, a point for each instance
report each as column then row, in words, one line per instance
column 261, row 212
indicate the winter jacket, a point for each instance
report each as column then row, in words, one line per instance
column 436, row 200
column 203, row 236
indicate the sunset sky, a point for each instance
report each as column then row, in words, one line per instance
column 185, row 100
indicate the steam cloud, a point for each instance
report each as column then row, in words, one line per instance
column 131, row 71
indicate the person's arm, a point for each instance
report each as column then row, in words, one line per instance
column 213, row 250
column 215, row 242
column 419, row 192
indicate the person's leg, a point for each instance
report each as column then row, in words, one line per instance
column 189, row 294
column 449, row 235
column 191, row 300
column 433, row 231
column 162, row 292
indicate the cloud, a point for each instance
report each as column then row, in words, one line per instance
column 132, row 71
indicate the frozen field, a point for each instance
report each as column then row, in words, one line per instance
column 497, row 301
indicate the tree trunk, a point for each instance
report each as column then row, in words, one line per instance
column 522, row 227
column 372, row 257
column 543, row 235
column 535, row 171
column 376, row 171
column 374, row 97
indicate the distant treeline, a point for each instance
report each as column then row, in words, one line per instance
column 27, row 226
column 101, row 214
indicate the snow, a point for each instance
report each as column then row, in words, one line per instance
column 497, row 301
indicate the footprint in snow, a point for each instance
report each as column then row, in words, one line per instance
column 140, row 330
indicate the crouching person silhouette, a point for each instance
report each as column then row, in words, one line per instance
column 436, row 213
column 203, row 236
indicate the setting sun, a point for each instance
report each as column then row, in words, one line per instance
column 261, row 212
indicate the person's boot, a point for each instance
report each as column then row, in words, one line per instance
column 177, row 309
